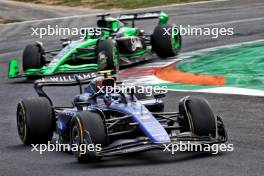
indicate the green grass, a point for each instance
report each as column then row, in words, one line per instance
column 242, row 65
column 5, row 21
column 108, row 4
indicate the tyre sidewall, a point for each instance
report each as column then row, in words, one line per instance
column 108, row 47
column 95, row 126
column 162, row 42
column 32, row 57
column 38, row 116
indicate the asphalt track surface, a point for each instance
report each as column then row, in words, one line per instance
column 243, row 115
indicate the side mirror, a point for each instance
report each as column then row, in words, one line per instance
column 79, row 82
column 159, row 96
column 64, row 39
column 65, row 42
column 132, row 93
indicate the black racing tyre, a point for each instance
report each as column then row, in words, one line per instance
column 166, row 45
column 35, row 120
column 107, row 48
column 201, row 117
column 92, row 123
column 32, row 57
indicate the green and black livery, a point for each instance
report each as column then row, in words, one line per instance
column 119, row 43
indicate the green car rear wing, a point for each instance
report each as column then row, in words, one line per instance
column 163, row 17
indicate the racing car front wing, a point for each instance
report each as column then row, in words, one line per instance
column 140, row 144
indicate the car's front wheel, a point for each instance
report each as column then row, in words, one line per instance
column 33, row 57
column 35, row 121
column 87, row 129
column 198, row 117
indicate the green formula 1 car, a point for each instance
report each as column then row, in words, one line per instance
column 119, row 43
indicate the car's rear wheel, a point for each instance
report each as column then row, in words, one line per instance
column 88, row 128
column 166, row 41
column 35, row 120
column 198, row 117
column 107, row 51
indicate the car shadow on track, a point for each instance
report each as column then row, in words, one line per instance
column 129, row 160
column 18, row 147
column 21, row 81
column 143, row 159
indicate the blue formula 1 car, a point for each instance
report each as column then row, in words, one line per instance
column 119, row 122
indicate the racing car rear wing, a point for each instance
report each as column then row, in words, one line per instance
column 163, row 17
column 139, row 16
column 66, row 80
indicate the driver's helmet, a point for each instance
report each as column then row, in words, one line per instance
column 105, row 82
column 97, row 83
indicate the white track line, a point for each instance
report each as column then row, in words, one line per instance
column 118, row 11
column 218, row 47
column 231, row 22
column 226, row 90
column 181, row 4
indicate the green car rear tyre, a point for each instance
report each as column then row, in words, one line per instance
column 107, row 50
column 166, row 41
